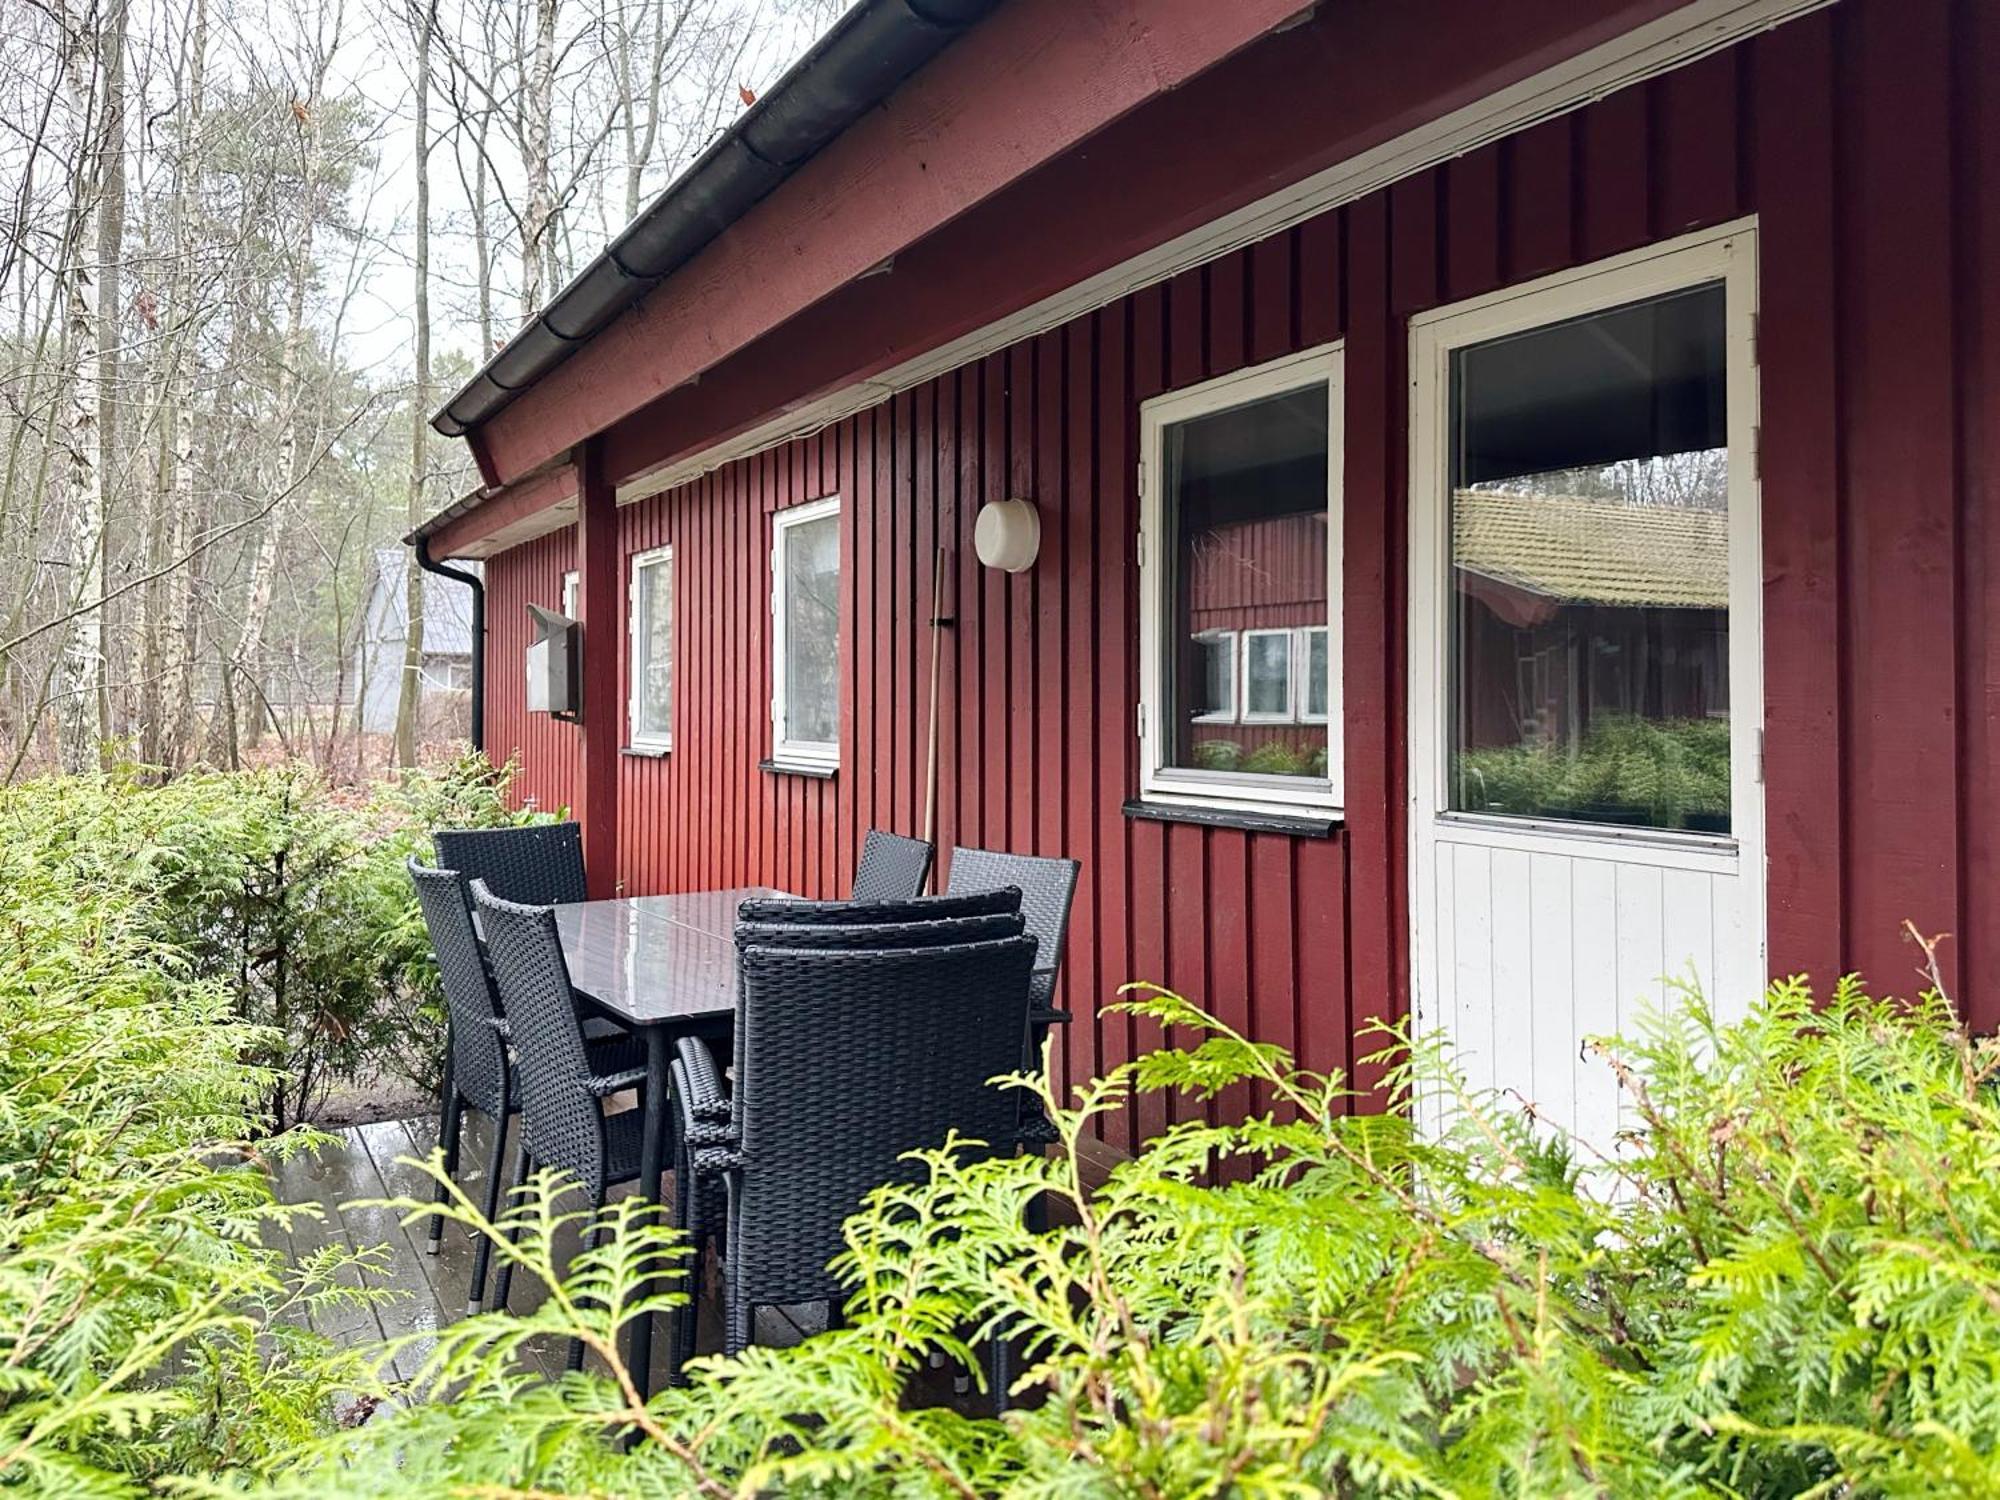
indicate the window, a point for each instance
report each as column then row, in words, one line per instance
column 1215, row 677
column 1313, row 669
column 649, row 605
column 571, row 580
column 1587, row 615
column 446, row 673
column 1267, row 676
column 1239, row 564
column 805, row 634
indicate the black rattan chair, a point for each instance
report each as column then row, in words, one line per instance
column 479, row 1074
column 563, row 1123
column 821, row 1113
column 892, row 868
column 791, row 911
column 709, row 1101
column 540, row 864
column 1047, row 888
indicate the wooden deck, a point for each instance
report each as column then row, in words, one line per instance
column 429, row 1291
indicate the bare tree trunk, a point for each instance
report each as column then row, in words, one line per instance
column 81, row 681
column 409, row 694
column 264, row 568
column 110, row 306
column 537, row 107
column 167, row 668
column 482, row 245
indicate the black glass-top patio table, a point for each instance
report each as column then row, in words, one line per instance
column 663, row 967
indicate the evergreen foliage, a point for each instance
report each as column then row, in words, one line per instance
column 144, row 1330
column 1785, row 1280
column 289, row 896
column 1782, row 1279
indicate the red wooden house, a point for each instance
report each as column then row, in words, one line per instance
column 1567, row 433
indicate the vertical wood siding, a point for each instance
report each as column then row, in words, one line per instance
column 546, row 750
column 1878, row 223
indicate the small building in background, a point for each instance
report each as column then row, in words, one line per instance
column 378, row 651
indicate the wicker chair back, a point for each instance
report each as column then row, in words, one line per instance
column 849, row 1061
column 538, row 865
column 892, row 868
column 478, row 1056
column 561, row 1123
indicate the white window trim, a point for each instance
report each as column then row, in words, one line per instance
column 1303, row 671
column 1238, row 790
column 1230, row 655
column 812, row 755
column 635, row 739
column 1726, row 254
column 572, row 584
column 1289, row 713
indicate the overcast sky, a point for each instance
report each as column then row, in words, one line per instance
column 376, row 327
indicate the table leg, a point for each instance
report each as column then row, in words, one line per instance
column 652, row 1166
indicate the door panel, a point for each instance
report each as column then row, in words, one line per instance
column 1586, row 705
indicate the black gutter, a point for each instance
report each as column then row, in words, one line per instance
column 869, row 51
column 422, row 546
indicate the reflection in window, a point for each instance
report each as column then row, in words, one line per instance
column 808, row 631
column 1313, row 658
column 1267, row 674
column 1244, row 515
column 1215, row 676
column 1590, row 569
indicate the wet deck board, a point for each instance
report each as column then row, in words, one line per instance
column 422, row 1292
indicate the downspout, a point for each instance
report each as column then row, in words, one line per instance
column 473, row 581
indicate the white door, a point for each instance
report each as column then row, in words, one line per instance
column 1586, row 694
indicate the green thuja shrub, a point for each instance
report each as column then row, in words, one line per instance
column 1785, row 1280
column 145, row 1331
column 287, row 893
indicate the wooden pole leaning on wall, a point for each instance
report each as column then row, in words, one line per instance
column 939, row 621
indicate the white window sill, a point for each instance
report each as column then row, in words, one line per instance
column 648, row 750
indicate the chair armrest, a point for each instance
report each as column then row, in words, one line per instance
column 716, row 1161
column 698, row 1135
column 1048, row 1016
column 702, row 1133
column 603, row 1084
column 703, row 1096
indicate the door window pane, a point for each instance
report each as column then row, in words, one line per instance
column 1244, row 516
column 1590, row 569
column 809, row 564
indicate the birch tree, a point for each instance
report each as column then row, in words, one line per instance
column 309, row 117
column 80, row 725
column 407, row 698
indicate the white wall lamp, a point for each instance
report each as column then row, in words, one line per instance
column 1008, row 535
